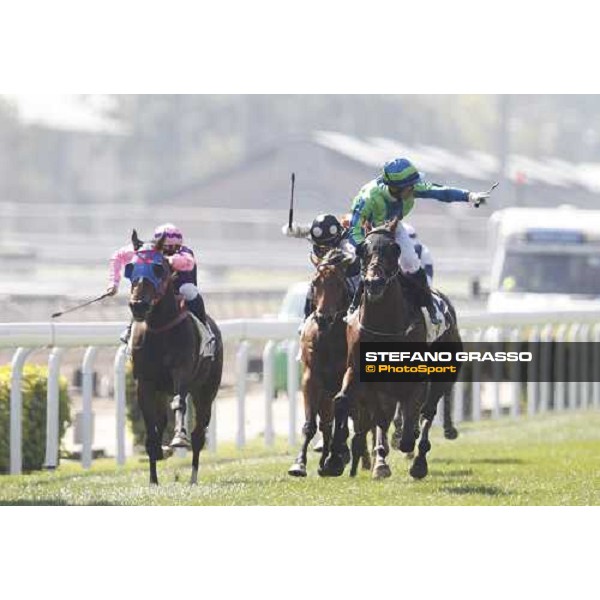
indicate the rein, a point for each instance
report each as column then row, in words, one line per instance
column 173, row 323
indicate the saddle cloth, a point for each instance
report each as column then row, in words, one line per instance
column 434, row 332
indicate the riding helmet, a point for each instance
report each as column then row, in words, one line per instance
column 400, row 173
column 326, row 230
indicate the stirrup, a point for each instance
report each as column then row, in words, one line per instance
column 125, row 335
column 209, row 346
column 433, row 315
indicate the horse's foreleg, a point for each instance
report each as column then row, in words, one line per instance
column 179, row 406
column 145, row 398
column 340, row 454
column 326, row 428
column 359, row 447
column 397, row 435
column 310, row 395
column 380, row 468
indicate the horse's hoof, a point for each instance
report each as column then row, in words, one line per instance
column 167, row 452
column 451, row 433
column 407, row 447
column 382, row 471
column 365, row 463
column 418, row 469
column 297, row 470
column 395, row 441
column 180, row 440
column 333, row 467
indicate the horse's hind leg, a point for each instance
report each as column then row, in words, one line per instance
column 450, row 432
column 397, row 435
column 419, row 468
column 199, row 439
column 381, row 469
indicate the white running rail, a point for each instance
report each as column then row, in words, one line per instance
column 25, row 337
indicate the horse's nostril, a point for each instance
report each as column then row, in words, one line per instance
column 139, row 308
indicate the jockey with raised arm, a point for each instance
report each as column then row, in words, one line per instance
column 325, row 233
column 182, row 261
column 393, row 194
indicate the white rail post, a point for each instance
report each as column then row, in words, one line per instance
column 120, row 387
column 292, row 388
column 52, row 408
column 476, row 383
column 241, row 369
column 545, row 367
column 87, row 375
column 212, row 428
column 16, row 410
column 515, row 372
column 533, row 376
column 458, row 392
column 269, row 387
column 560, row 368
column 596, row 363
column 498, row 337
column 572, row 369
column 584, row 366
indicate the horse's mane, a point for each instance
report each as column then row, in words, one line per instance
column 384, row 229
column 333, row 257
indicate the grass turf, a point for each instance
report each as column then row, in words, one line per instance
column 545, row 460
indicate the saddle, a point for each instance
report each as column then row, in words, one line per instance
column 440, row 303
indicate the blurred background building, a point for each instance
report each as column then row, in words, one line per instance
column 78, row 173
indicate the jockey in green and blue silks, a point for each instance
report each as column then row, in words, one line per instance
column 393, row 194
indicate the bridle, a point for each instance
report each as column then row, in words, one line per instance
column 327, row 320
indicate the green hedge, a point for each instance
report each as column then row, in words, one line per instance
column 134, row 414
column 34, row 387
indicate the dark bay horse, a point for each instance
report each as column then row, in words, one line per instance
column 386, row 314
column 323, row 352
column 165, row 350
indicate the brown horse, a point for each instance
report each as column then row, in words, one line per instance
column 323, row 352
column 166, row 356
column 386, row 314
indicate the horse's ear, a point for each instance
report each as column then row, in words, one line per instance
column 393, row 224
column 158, row 245
column 135, row 240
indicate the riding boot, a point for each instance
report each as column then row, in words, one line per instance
column 196, row 307
column 356, row 298
column 425, row 297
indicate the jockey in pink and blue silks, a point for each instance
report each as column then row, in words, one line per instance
column 182, row 261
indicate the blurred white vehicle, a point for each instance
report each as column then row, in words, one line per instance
column 545, row 259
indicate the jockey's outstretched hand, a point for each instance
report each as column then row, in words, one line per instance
column 295, row 230
column 111, row 290
column 477, row 198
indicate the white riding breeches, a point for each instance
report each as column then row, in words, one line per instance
column 189, row 291
column 409, row 260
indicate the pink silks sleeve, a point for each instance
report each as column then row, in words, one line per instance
column 182, row 261
column 116, row 263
